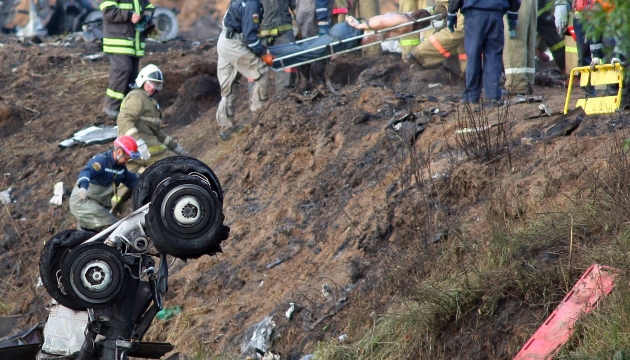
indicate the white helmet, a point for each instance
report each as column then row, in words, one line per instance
column 149, row 72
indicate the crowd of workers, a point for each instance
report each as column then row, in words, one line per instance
column 255, row 32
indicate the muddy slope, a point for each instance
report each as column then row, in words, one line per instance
column 316, row 188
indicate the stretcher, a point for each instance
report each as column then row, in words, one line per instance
column 381, row 33
column 602, row 75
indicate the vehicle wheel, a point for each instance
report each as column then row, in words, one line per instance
column 77, row 25
column 185, row 217
column 165, row 168
column 93, row 16
column 50, row 263
column 94, row 276
column 166, row 22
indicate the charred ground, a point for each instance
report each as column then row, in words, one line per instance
column 318, row 188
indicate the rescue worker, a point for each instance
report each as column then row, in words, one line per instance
column 520, row 50
column 125, row 25
column 484, row 39
column 350, row 34
column 313, row 18
column 590, row 49
column 276, row 28
column 241, row 51
column 340, row 11
column 407, row 43
column 91, row 197
column 141, row 117
column 443, row 45
column 545, row 26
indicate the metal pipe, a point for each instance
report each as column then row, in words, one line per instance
column 115, row 225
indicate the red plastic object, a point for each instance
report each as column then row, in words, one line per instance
column 572, row 32
column 596, row 283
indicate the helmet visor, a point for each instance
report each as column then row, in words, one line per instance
column 156, row 85
column 155, row 76
column 134, row 155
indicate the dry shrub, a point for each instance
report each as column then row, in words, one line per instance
column 484, row 135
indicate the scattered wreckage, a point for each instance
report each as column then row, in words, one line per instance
column 109, row 286
column 54, row 17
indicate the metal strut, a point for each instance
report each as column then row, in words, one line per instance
column 332, row 51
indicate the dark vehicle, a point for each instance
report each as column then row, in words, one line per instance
column 53, row 17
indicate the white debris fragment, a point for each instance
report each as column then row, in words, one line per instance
column 94, row 56
column 434, row 85
column 326, row 290
column 343, row 337
column 5, row 196
column 260, row 339
column 289, row 313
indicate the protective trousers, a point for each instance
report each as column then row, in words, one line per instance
column 340, row 11
column 520, row 53
column 235, row 57
column 444, row 45
column 93, row 212
column 123, row 71
column 306, row 20
column 285, row 79
column 584, row 52
column 546, row 28
column 409, row 42
column 368, row 9
column 483, row 38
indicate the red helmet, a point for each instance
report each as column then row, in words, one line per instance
column 129, row 146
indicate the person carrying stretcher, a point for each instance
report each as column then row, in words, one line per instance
column 349, row 29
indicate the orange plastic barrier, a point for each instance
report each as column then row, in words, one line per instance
column 596, row 283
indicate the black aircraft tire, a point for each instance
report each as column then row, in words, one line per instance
column 186, row 217
column 165, row 168
column 94, row 275
column 50, row 263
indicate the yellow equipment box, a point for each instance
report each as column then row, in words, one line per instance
column 607, row 74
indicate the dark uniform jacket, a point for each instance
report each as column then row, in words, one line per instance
column 141, row 117
column 323, row 9
column 120, row 36
column 102, row 170
column 244, row 17
column 469, row 6
column 277, row 17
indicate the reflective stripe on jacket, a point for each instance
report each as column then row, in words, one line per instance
column 141, row 117
column 277, row 17
column 120, row 36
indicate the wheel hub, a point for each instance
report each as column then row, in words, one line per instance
column 96, row 275
column 187, row 210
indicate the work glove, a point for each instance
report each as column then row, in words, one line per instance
column 451, row 22
column 179, row 150
column 143, row 149
column 82, row 193
column 616, row 60
column 596, row 61
column 323, row 30
column 268, row 59
column 561, row 14
column 512, row 20
column 57, row 198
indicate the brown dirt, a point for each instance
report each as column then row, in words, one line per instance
column 314, row 181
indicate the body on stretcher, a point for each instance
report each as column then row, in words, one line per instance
column 345, row 45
